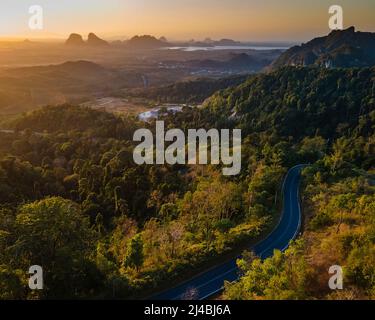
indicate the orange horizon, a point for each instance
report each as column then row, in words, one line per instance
column 242, row 20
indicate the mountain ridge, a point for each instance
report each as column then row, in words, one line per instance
column 93, row 40
column 340, row 48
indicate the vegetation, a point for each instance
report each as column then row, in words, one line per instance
column 193, row 91
column 73, row 200
column 340, row 49
column 340, row 208
column 132, row 227
column 338, row 191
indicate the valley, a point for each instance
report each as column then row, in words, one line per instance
column 69, row 112
column 34, row 74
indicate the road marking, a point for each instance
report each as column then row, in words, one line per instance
column 206, row 283
column 270, row 245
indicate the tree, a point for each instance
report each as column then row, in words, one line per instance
column 54, row 234
column 12, row 284
column 282, row 276
column 134, row 254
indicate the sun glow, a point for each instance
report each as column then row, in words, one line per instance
column 183, row 19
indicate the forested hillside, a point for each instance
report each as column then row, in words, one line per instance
column 74, row 201
column 339, row 208
column 340, row 49
column 193, row 91
column 296, row 102
column 330, row 114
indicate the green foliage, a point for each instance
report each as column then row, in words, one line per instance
column 193, row 91
column 296, row 102
column 283, row 276
column 54, row 234
column 73, row 201
column 134, row 255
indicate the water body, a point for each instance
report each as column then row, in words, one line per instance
column 154, row 113
column 213, row 48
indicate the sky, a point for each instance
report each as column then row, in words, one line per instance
column 251, row 20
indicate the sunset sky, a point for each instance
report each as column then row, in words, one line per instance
column 253, row 20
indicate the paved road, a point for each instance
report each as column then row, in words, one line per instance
column 211, row 282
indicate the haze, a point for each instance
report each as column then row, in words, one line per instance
column 253, row 20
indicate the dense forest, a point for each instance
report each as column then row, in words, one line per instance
column 73, row 200
column 193, row 91
column 331, row 113
column 118, row 230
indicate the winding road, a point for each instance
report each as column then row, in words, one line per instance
column 211, row 282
